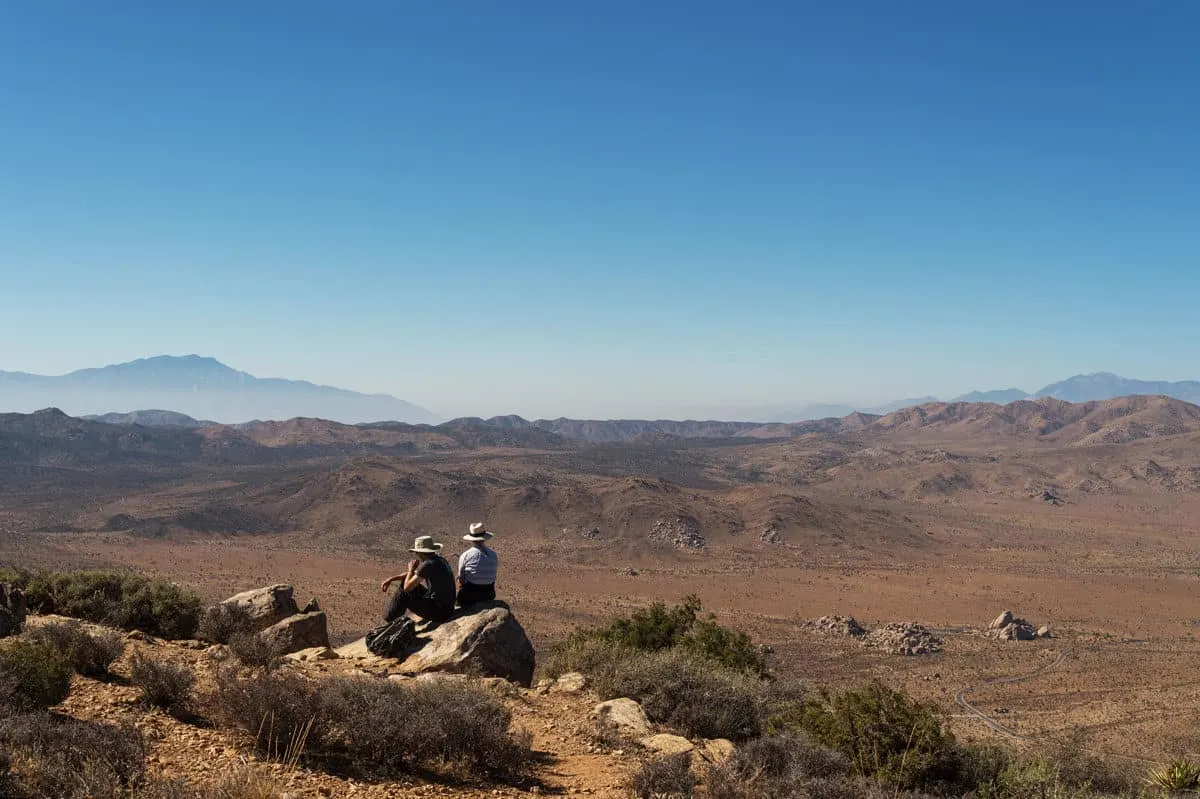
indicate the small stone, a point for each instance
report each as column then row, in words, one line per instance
column 667, row 744
column 1044, row 632
column 626, row 714
column 570, row 683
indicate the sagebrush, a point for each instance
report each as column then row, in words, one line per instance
column 164, row 685
column 33, row 676
column 127, row 601
column 89, row 653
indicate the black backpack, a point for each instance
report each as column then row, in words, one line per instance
column 392, row 639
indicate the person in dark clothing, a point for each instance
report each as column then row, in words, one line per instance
column 427, row 588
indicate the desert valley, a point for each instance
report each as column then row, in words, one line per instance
column 1080, row 517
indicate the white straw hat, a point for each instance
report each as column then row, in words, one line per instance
column 477, row 533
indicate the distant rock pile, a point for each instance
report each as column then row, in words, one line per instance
column 679, row 533
column 838, row 625
column 899, row 638
column 771, row 535
column 903, row 638
column 1008, row 627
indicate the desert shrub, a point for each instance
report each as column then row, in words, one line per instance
column 1077, row 767
column 33, row 676
column 1178, row 776
column 582, row 653
column 685, row 691
column 164, row 685
column 128, row 601
column 777, row 767
column 222, row 623
column 667, row 777
column 66, row 758
column 1064, row 770
column 658, row 628
column 886, row 735
column 463, row 726
column 281, row 709
column 254, row 651
column 89, row 653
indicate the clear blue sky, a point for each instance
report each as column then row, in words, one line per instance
column 605, row 208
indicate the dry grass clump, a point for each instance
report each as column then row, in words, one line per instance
column 373, row 727
column 664, row 777
column 54, row 757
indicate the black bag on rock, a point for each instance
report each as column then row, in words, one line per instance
column 392, row 639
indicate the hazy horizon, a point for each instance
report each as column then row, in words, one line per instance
column 621, row 211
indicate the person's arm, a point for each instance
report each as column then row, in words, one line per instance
column 403, row 579
column 413, row 579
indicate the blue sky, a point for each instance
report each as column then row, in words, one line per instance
column 604, row 209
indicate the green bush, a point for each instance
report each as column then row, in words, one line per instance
column 669, row 776
column 127, row 601
column 779, row 767
column 886, row 735
column 33, row 676
column 90, row 654
column 683, row 690
column 658, row 628
column 164, row 685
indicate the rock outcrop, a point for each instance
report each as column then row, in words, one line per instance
column 265, row 606
column 298, row 632
column 1008, row 627
column 484, row 640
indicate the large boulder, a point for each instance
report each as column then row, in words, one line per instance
column 484, row 640
column 265, row 606
column 299, row 632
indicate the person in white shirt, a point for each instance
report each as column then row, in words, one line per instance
column 477, row 569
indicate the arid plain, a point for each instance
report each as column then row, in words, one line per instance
column 1083, row 517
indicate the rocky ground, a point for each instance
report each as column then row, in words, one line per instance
column 568, row 758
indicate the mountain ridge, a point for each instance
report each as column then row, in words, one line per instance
column 199, row 387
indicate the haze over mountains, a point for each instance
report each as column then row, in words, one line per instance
column 193, row 391
column 202, row 388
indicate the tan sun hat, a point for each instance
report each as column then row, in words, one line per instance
column 427, row 545
column 477, row 533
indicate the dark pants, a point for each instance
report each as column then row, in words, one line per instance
column 418, row 602
column 472, row 594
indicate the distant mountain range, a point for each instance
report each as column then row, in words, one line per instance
column 1080, row 388
column 193, row 390
column 197, row 387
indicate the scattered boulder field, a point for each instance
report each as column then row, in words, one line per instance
column 913, row 638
